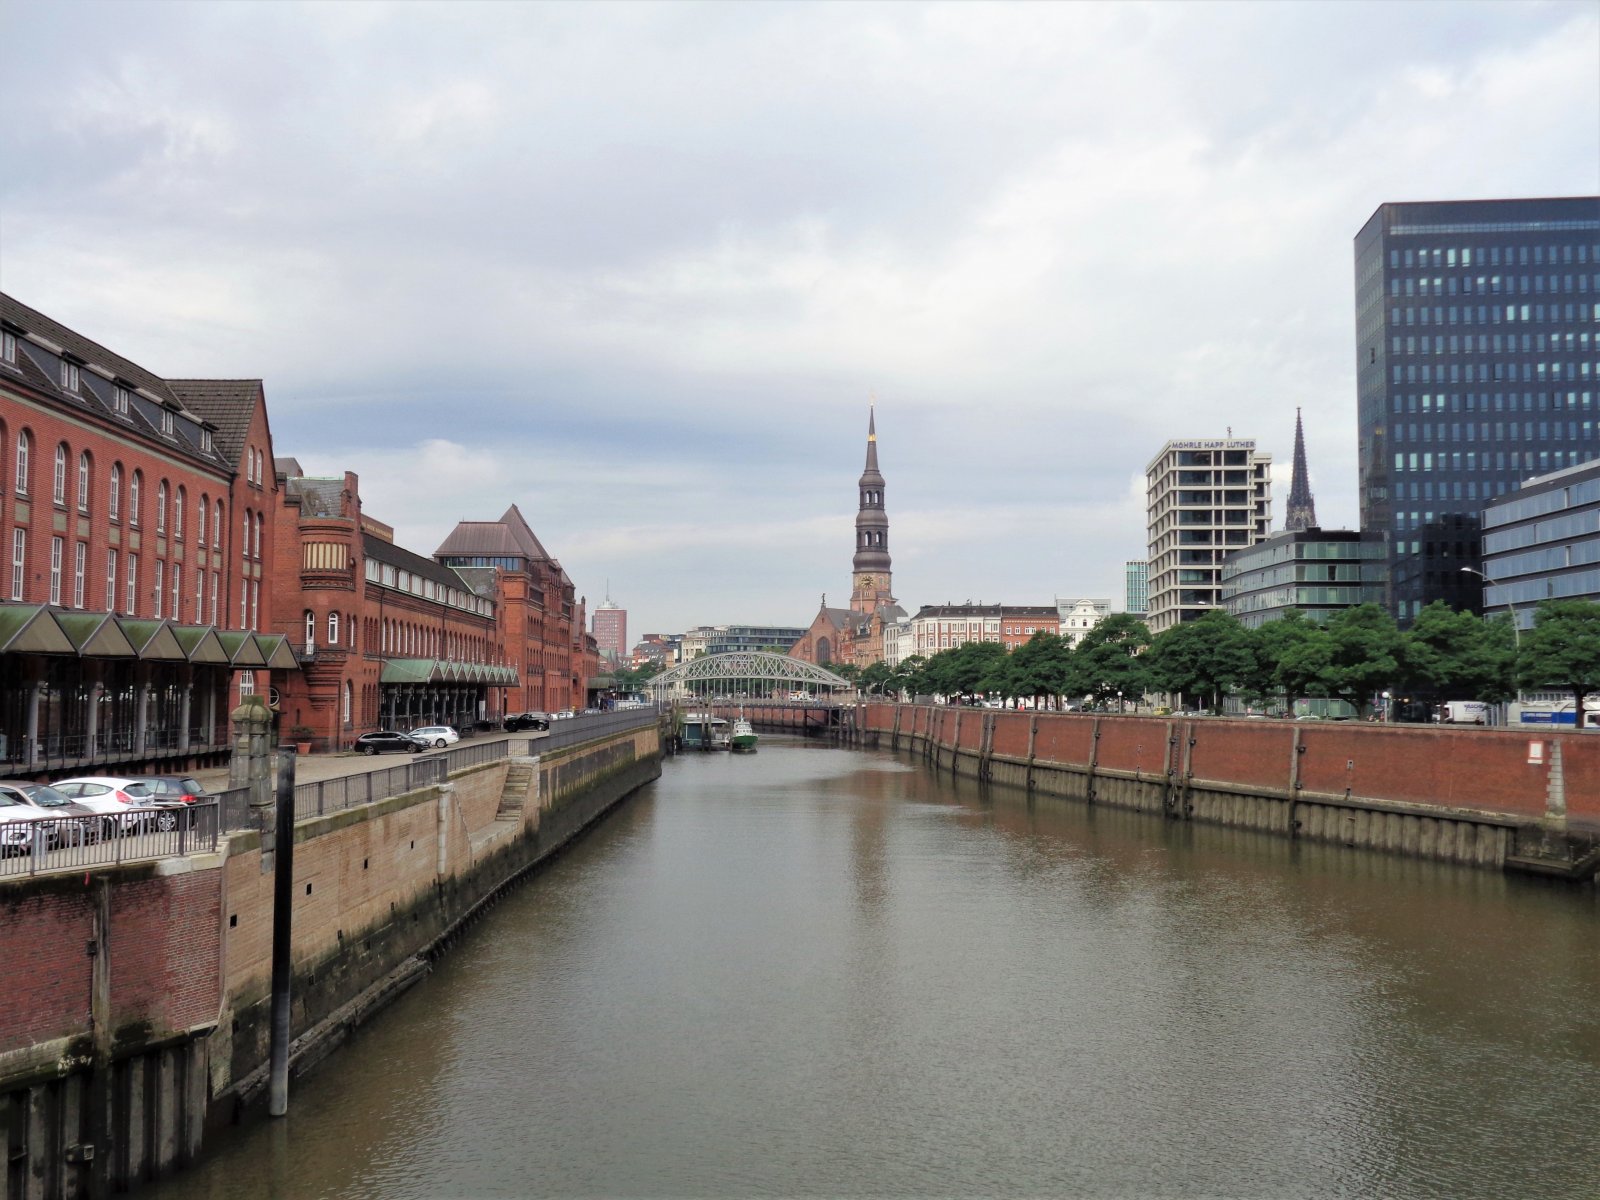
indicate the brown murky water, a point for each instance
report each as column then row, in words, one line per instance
column 819, row 972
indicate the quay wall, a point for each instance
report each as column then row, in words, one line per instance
column 1503, row 799
column 138, row 1017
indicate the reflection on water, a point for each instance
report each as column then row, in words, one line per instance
column 813, row 971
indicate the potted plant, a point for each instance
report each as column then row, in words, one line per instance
column 301, row 736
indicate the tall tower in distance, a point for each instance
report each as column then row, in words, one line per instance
column 869, row 586
column 611, row 630
column 1302, row 509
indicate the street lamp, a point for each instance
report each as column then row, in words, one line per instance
column 1516, row 632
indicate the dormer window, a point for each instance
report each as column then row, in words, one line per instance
column 69, row 376
column 205, row 440
column 166, row 422
column 8, row 347
column 119, row 401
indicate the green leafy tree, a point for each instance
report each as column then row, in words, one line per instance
column 875, row 678
column 1109, row 659
column 1363, row 654
column 1041, row 667
column 1208, row 657
column 1563, row 650
column 1454, row 653
column 908, row 675
column 1293, row 654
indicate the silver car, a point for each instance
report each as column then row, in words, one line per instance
column 35, row 815
column 437, row 736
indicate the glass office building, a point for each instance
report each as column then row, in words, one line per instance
column 1318, row 571
column 1542, row 542
column 1136, row 586
column 1478, row 364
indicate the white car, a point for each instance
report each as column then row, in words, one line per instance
column 437, row 736
column 67, row 823
column 128, row 805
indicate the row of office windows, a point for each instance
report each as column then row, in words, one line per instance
column 1497, row 343
column 1584, row 492
column 1497, row 372
column 388, row 575
column 1472, row 490
column 171, row 504
column 1494, row 256
column 71, row 584
column 1439, row 402
column 1409, row 431
column 1530, row 461
column 1549, row 587
column 1493, row 285
column 1569, row 525
column 1551, row 558
column 1493, row 314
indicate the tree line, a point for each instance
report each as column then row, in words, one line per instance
column 1354, row 655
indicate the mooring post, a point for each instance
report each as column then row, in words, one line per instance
column 282, row 935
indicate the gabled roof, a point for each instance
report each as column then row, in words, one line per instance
column 509, row 537
column 228, row 404
column 82, row 348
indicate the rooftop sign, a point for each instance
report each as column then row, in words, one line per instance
column 1214, row 444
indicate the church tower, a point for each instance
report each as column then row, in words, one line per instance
column 869, row 589
column 1302, row 513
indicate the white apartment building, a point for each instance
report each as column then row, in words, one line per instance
column 899, row 642
column 1079, row 616
column 1203, row 498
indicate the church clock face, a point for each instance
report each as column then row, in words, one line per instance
column 868, row 581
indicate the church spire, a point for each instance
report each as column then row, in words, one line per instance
column 1302, row 510
column 870, row 568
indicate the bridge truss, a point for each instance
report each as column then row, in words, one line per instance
column 730, row 674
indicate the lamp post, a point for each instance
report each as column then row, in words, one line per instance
column 1516, row 633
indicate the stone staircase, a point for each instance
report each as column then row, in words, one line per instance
column 519, row 781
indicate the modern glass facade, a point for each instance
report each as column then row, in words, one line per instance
column 1136, row 591
column 1318, row 571
column 1478, row 364
column 1542, row 542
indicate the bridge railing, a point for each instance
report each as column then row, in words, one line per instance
column 75, row 843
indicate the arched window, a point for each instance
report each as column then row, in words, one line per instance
column 114, row 500
column 349, row 696
column 333, row 629
column 261, row 524
column 58, row 484
column 135, row 486
column 311, row 629
column 200, row 524
column 177, row 513
column 245, row 532
column 84, row 475
column 161, row 508
column 24, row 443
column 216, row 525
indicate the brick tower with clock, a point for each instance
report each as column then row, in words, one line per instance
column 870, row 570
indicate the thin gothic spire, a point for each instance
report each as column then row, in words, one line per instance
column 1302, row 509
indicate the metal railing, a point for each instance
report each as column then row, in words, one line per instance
column 463, row 756
column 74, row 843
column 586, row 726
column 348, row 791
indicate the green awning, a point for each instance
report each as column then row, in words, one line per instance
column 242, row 649
column 96, row 635
column 151, row 639
column 276, row 650
column 407, row 670
column 32, row 629
column 200, row 643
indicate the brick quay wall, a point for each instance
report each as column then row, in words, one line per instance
column 138, row 1018
column 1502, row 799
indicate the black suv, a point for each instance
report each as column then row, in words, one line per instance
column 521, row 722
column 386, row 739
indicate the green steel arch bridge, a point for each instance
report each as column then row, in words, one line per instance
column 729, row 674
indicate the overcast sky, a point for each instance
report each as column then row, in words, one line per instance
column 640, row 268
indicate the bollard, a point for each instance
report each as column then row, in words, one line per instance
column 282, row 936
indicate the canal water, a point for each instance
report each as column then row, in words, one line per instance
column 823, row 972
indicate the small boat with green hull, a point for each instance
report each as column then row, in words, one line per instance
column 744, row 735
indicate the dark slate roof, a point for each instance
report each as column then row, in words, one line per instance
column 1002, row 611
column 318, row 497
column 149, row 395
column 228, row 404
column 82, row 348
column 404, row 560
column 509, row 537
column 480, row 579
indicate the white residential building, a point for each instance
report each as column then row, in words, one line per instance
column 1203, row 498
column 1079, row 616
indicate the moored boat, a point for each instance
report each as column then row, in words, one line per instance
column 743, row 736
column 705, row 731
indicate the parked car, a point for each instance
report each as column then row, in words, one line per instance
column 178, row 789
column 519, row 722
column 127, row 805
column 23, row 804
column 436, row 736
column 386, row 739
